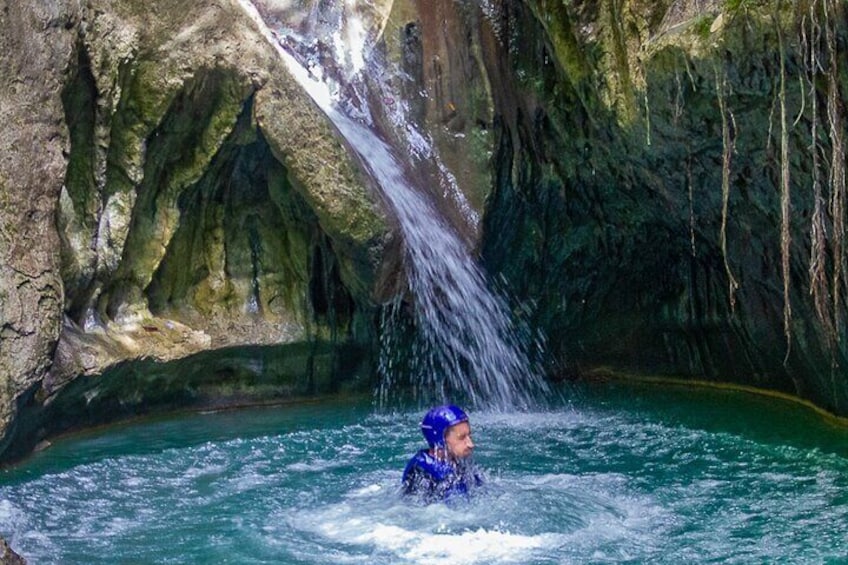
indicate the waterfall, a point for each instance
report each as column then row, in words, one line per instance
column 468, row 348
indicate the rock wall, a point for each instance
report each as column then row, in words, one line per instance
column 661, row 186
column 168, row 191
column 670, row 188
column 33, row 143
column 8, row 555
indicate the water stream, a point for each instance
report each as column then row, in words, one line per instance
column 627, row 475
column 468, row 346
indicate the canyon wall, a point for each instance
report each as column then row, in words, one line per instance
column 658, row 186
column 171, row 195
column 670, row 189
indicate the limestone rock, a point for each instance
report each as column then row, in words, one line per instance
column 33, row 142
column 8, row 555
column 201, row 200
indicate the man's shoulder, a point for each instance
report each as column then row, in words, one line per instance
column 421, row 460
column 424, row 462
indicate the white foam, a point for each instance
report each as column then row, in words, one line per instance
column 9, row 513
column 481, row 546
column 314, row 465
column 473, row 546
column 371, row 521
column 365, row 491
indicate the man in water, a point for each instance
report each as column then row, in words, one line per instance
column 445, row 468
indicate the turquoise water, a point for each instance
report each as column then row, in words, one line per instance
column 621, row 475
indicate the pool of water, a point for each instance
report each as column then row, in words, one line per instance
column 619, row 474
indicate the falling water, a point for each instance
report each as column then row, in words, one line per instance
column 467, row 346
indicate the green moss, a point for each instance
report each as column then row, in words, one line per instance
column 135, row 117
column 189, row 131
column 211, row 379
column 702, row 25
column 734, row 6
column 247, row 237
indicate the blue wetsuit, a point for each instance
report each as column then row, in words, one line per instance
column 435, row 480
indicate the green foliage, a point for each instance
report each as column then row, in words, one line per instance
column 702, row 25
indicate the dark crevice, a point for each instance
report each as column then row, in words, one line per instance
column 79, row 99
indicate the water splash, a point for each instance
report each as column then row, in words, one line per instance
column 466, row 345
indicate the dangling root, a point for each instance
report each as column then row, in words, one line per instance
column 728, row 138
column 837, row 172
column 785, row 201
column 819, row 287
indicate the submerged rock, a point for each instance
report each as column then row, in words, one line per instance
column 8, row 555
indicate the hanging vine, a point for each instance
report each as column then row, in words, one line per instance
column 819, row 286
column 811, row 39
column 728, row 141
column 828, row 271
column 839, row 284
column 785, row 197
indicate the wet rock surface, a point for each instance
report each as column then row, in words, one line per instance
column 8, row 555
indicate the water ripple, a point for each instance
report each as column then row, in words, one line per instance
column 602, row 484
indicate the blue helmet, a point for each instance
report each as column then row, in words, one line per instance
column 437, row 421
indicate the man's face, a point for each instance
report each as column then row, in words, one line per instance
column 458, row 441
